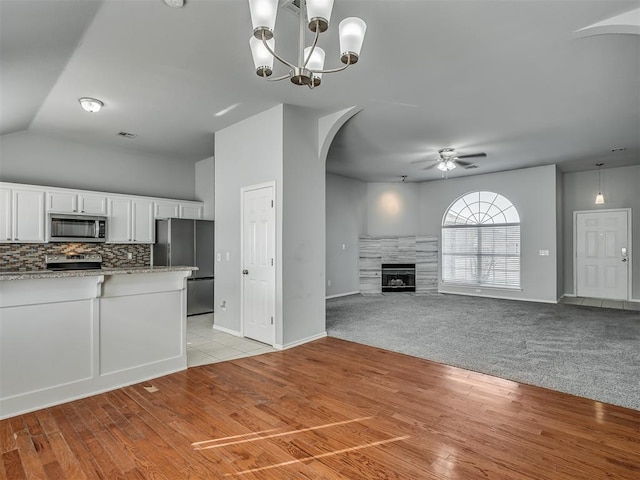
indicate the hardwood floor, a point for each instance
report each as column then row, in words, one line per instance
column 326, row 410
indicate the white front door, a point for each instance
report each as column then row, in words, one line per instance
column 602, row 254
column 258, row 263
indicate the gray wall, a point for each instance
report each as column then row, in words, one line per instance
column 204, row 182
column 394, row 209
column 533, row 193
column 42, row 160
column 621, row 189
column 560, row 273
column 287, row 137
column 237, row 164
column 346, row 215
column 303, row 228
column 417, row 209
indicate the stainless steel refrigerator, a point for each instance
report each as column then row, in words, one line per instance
column 188, row 242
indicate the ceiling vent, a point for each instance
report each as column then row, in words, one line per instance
column 292, row 6
column 126, row 134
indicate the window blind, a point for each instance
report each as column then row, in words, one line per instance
column 487, row 255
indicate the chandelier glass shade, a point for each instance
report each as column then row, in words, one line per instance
column 309, row 67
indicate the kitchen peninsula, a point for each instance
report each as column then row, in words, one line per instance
column 68, row 335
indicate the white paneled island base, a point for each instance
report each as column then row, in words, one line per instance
column 65, row 336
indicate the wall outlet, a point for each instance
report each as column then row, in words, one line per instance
column 129, row 255
column 328, row 283
column 478, row 290
column 228, row 255
column 218, row 256
column 544, row 253
column 223, row 305
column 344, row 246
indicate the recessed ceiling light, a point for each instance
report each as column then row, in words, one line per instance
column 175, row 3
column 92, row 105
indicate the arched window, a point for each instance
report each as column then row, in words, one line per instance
column 481, row 241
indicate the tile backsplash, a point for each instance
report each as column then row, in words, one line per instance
column 26, row 257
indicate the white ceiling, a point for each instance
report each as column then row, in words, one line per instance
column 509, row 78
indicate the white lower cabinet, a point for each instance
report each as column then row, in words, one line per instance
column 130, row 221
column 23, row 217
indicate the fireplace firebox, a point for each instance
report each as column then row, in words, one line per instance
column 398, row 277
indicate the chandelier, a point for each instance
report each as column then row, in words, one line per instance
column 310, row 62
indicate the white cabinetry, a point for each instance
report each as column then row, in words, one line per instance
column 178, row 209
column 193, row 210
column 22, row 211
column 130, row 220
column 167, row 209
column 72, row 202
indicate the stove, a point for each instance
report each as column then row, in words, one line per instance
column 89, row 261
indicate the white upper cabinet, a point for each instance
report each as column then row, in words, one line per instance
column 6, row 215
column 193, row 210
column 119, row 221
column 75, row 202
column 167, row 209
column 143, row 222
column 178, row 209
column 92, row 204
column 23, row 216
column 130, row 220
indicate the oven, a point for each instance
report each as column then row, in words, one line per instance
column 61, row 262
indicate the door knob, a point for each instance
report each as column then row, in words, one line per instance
column 245, row 272
column 624, row 259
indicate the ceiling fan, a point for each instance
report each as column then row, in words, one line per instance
column 448, row 159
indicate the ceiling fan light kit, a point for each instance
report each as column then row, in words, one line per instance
column 310, row 62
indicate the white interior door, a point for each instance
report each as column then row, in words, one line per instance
column 258, row 263
column 602, row 254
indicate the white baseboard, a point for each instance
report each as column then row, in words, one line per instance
column 538, row 300
column 300, row 342
column 573, row 295
column 227, row 330
column 342, row 295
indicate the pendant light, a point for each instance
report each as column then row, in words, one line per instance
column 599, row 196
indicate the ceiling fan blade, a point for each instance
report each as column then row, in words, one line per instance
column 431, row 166
column 463, row 164
column 473, row 155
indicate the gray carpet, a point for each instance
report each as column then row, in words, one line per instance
column 585, row 351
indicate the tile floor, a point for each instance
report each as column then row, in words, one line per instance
column 206, row 345
column 601, row 302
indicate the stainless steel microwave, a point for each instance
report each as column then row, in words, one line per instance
column 77, row 228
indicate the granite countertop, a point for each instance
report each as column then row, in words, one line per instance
column 88, row 273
